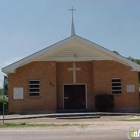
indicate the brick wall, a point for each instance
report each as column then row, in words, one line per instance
column 43, row 71
column 83, row 76
column 96, row 75
column 104, row 71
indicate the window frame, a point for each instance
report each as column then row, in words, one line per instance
column 116, row 86
column 34, row 88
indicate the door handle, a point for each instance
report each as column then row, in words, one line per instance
column 66, row 98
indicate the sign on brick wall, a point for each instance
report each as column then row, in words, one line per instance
column 130, row 88
column 18, row 93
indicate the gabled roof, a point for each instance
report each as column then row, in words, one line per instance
column 73, row 48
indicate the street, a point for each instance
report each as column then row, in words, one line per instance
column 95, row 129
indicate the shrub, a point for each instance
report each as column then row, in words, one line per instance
column 104, row 102
column 5, row 105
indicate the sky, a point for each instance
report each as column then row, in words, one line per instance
column 27, row 26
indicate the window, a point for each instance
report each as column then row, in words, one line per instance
column 34, row 88
column 116, row 86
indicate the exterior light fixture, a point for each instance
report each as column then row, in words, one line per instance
column 75, row 56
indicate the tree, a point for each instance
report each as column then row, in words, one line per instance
column 5, row 85
column 1, row 91
column 134, row 60
column 116, row 52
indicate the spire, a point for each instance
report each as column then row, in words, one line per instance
column 72, row 23
column 72, row 28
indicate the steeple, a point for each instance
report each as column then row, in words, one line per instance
column 72, row 28
column 72, row 23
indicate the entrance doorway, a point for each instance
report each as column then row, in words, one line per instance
column 74, row 97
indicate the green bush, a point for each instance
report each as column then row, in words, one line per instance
column 5, row 105
column 104, row 102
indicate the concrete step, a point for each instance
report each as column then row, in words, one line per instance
column 79, row 117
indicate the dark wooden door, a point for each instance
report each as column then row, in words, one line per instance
column 74, row 97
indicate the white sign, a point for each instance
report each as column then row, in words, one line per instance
column 18, row 93
column 130, row 88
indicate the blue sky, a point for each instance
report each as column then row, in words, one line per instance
column 27, row 26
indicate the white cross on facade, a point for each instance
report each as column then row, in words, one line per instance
column 74, row 69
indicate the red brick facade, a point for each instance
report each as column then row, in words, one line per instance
column 96, row 75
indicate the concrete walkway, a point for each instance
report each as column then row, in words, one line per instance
column 66, row 115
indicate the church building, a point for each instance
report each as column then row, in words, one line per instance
column 68, row 74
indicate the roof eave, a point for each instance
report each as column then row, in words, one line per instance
column 12, row 67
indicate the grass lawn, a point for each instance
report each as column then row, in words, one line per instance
column 37, row 125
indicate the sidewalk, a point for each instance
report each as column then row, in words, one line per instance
column 66, row 115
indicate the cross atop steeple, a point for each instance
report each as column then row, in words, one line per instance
column 72, row 10
column 72, row 24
